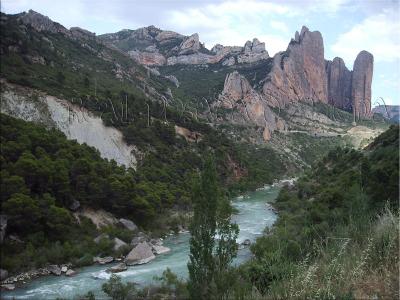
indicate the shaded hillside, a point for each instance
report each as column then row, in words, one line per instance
column 343, row 211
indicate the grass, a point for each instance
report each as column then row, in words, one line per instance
column 357, row 263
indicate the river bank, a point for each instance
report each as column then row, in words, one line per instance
column 252, row 216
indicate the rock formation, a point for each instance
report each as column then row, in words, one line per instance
column 339, row 84
column 298, row 74
column 141, row 254
column 361, row 84
column 239, row 96
column 42, row 23
column 154, row 47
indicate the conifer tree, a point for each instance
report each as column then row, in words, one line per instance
column 213, row 240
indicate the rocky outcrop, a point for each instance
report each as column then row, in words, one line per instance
column 54, row 269
column 298, row 74
column 121, row 267
column 190, row 136
column 155, row 47
column 74, row 121
column 148, row 58
column 339, row 84
column 103, row 260
column 252, row 52
column 141, row 254
column 158, row 249
column 247, row 105
column 118, row 244
column 139, row 238
column 128, row 224
column 100, row 218
column 70, row 273
column 361, row 84
column 190, row 45
column 42, row 23
column 81, row 33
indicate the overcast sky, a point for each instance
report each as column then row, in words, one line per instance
column 347, row 26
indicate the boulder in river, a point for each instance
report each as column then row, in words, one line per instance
column 246, row 242
column 128, row 224
column 157, row 249
column 117, row 268
column 8, row 287
column 103, row 260
column 64, row 269
column 54, row 269
column 70, row 272
column 3, row 274
column 141, row 254
column 118, row 244
column 156, row 242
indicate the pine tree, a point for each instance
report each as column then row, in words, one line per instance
column 210, row 258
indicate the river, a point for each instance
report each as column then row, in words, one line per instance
column 252, row 217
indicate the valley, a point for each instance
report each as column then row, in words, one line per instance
column 143, row 149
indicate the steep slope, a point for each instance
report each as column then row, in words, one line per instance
column 337, row 231
column 75, row 122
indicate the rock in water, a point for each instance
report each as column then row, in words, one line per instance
column 64, row 269
column 118, row 268
column 246, row 242
column 54, row 269
column 103, row 260
column 157, row 249
column 8, row 287
column 70, row 272
column 128, row 224
column 141, row 254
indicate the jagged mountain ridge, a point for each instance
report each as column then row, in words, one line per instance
column 299, row 74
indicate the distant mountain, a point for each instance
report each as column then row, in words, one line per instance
column 390, row 112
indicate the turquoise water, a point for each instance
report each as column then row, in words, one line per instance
column 253, row 216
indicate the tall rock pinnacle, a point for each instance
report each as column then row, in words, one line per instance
column 361, row 84
column 298, row 74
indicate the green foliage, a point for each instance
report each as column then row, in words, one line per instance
column 118, row 290
column 338, row 200
column 210, row 259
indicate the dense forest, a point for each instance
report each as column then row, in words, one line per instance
column 43, row 174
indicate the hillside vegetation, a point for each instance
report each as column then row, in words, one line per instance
column 337, row 232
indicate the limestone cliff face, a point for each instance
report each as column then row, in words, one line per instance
column 361, row 84
column 247, row 105
column 154, row 47
column 339, row 84
column 75, row 122
column 298, row 74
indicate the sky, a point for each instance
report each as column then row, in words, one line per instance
column 347, row 26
